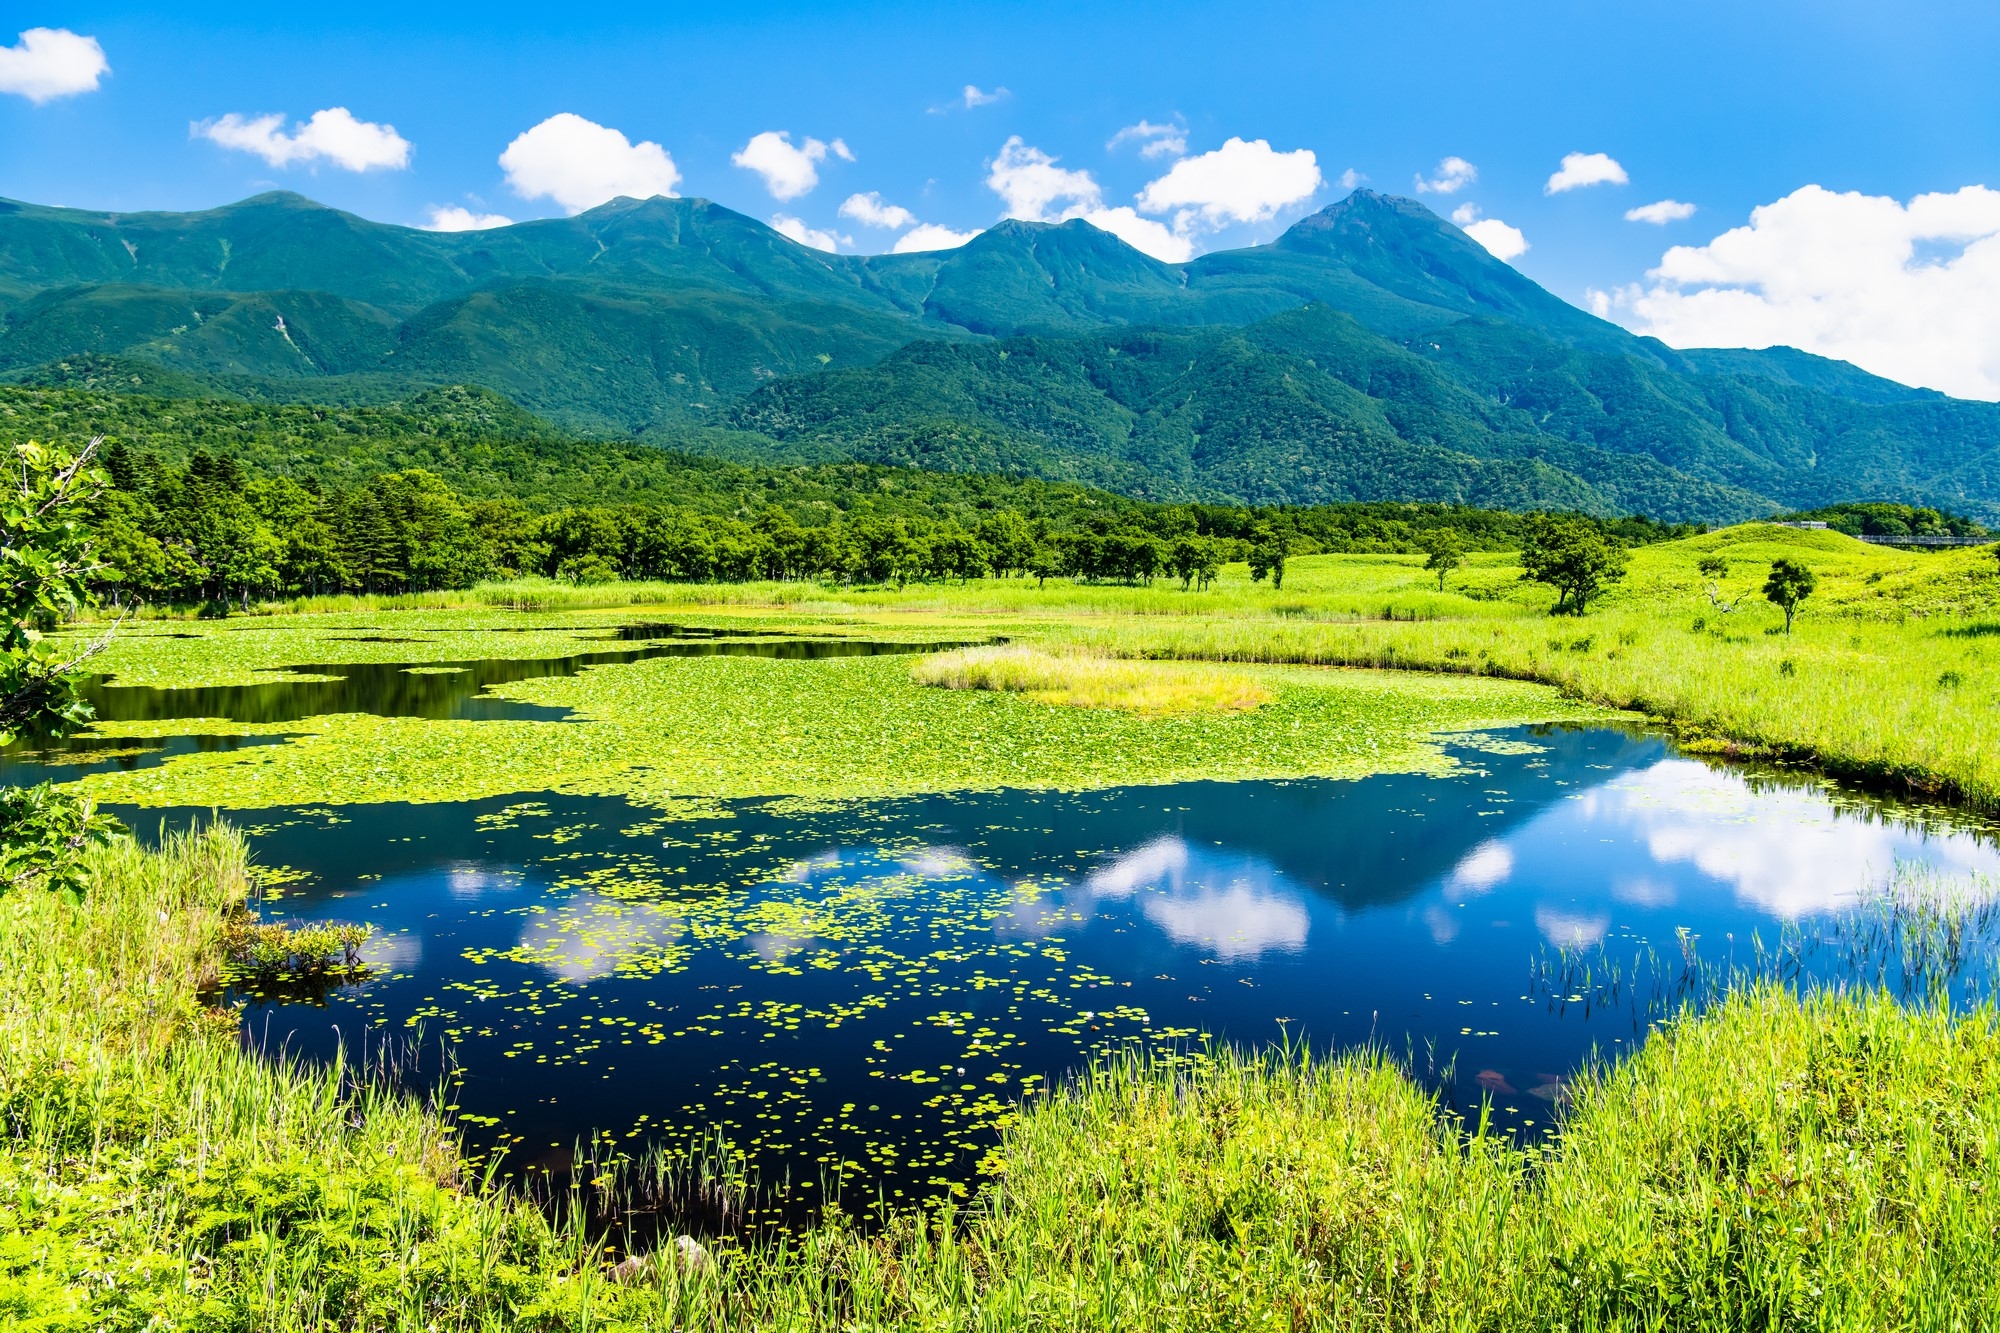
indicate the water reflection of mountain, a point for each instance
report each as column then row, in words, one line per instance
column 1362, row 844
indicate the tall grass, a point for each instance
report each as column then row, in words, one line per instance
column 155, row 1173
column 1080, row 680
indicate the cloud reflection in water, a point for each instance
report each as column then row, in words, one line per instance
column 1238, row 905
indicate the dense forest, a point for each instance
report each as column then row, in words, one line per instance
column 218, row 502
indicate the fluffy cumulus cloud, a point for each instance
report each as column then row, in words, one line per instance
column 581, row 164
column 1453, row 175
column 788, row 226
column 1908, row 291
column 974, row 95
column 789, row 170
column 1032, row 187
column 871, row 211
column 1142, row 234
column 1661, row 213
column 1153, row 140
column 1238, row 182
column 452, row 217
column 1501, row 241
column 47, row 63
column 1350, row 178
column 333, row 136
column 1583, row 169
column 930, row 236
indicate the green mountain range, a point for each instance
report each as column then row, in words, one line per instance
column 1373, row 351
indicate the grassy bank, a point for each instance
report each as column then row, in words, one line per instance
column 1833, row 1164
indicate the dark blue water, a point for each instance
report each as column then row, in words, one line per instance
column 859, row 996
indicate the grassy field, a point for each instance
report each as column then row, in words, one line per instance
column 1828, row 1164
column 1892, row 676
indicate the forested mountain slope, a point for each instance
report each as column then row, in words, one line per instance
column 1372, row 352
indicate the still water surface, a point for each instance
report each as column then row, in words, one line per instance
column 858, row 995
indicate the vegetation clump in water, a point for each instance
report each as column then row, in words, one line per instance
column 1083, row 680
column 266, row 953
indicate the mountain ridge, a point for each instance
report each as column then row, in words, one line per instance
column 665, row 317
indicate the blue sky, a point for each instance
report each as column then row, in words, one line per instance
column 1725, row 106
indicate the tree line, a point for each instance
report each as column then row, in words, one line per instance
column 208, row 530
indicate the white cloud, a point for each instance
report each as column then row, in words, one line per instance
column 1238, row 182
column 789, row 170
column 1030, row 184
column 1660, row 214
column 930, row 236
column 975, row 96
column 1583, row 169
column 791, row 227
column 1453, row 175
column 1465, row 214
column 1238, row 906
column 1501, row 241
column 1154, row 140
column 1351, row 178
column 1142, row 234
column 1787, row 851
column 1571, row 930
column 1483, row 867
column 47, row 63
column 333, row 136
column 1598, row 302
column 1911, row 291
column 870, row 211
column 581, row 164
column 450, row 217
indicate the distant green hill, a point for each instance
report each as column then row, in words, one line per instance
column 1373, row 351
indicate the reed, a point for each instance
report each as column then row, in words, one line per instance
column 1080, row 680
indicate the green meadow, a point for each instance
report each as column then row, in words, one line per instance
column 1779, row 1160
column 1888, row 678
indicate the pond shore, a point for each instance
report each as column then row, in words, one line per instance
column 1834, row 1159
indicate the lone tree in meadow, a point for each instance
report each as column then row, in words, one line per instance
column 1572, row 556
column 1445, row 550
column 1715, row 568
column 1267, row 556
column 1788, row 584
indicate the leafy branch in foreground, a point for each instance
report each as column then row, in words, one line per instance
column 46, row 568
column 44, row 832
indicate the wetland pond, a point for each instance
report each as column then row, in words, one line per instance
column 857, row 995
